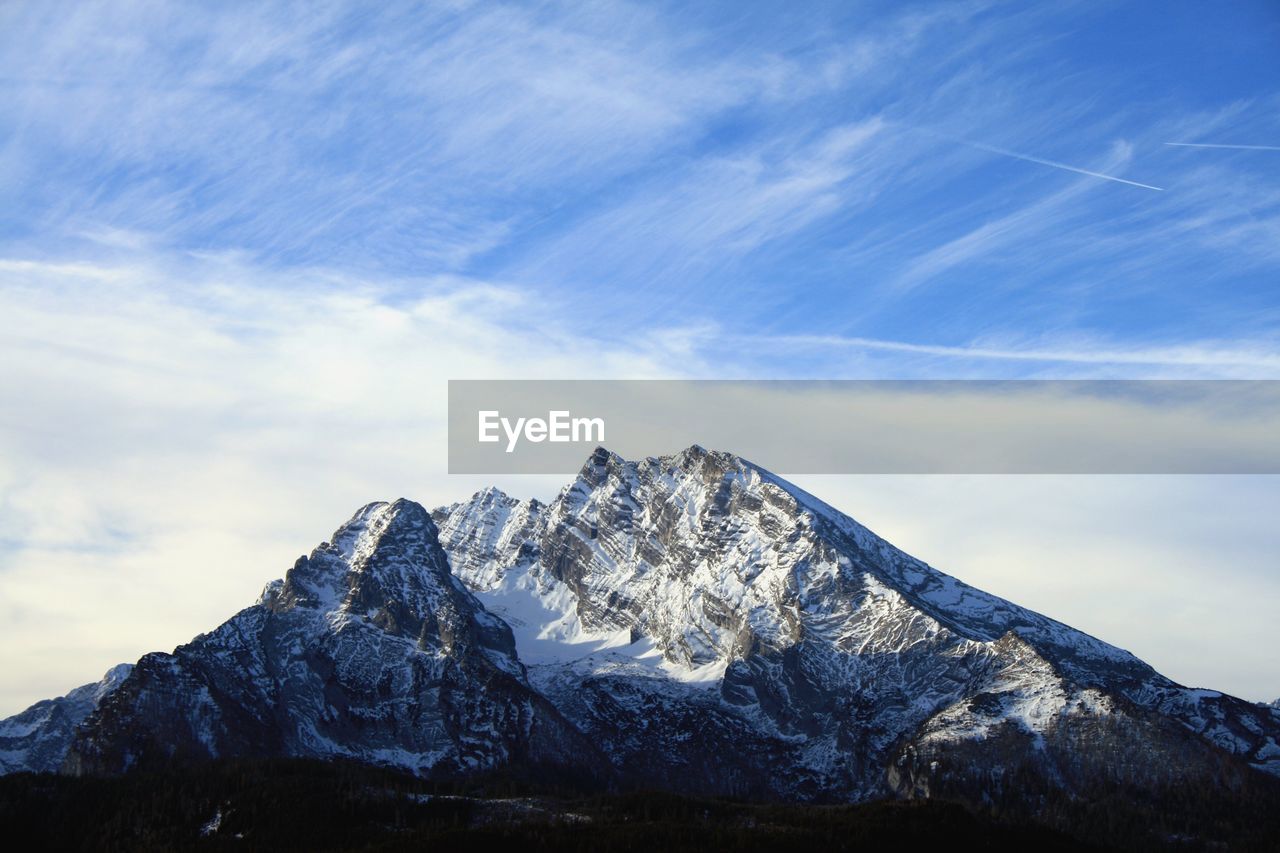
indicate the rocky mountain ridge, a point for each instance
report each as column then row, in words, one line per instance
column 37, row 739
column 689, row 622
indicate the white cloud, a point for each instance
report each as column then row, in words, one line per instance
column 1049, row 212
column 181, row 428
column 719, row 209
column 168, row 448
column 423, row 130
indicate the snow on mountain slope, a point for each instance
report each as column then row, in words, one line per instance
column 369, row 649
column 37, row 739
column 826, row 642
column 689, row 622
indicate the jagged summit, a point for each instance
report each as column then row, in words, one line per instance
column 709, row 466
column 369, row 648
column 494, row 495
column 383, row 547
column 688, row 621
column 690, row 459
column 702, row 569
column 37, row 738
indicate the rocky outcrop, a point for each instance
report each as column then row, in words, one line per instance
column 701, row 587
column 368, row 649
column 37, row 739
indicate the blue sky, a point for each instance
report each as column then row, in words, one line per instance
column 825, row 170
column 242, row 246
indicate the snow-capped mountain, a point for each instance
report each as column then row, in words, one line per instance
column 37, row 739
column 689, row 622
column 718, row 628
column 368, row 649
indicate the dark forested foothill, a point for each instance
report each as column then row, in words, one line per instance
column 314, row 806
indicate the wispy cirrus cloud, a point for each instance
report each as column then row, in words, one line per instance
column 1056, row 165
column 622, row 147
column 1224, row 145
column 1069, row 359
column 400, row 129
column 713, row 210
column 1043, row 214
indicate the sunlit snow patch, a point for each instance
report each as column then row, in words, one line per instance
column 543, row 616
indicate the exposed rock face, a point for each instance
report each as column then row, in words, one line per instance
column 37, row 739
column 782, row 648
column 688, row 622
column 368, row 649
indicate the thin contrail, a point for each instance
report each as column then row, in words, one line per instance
column 1223, row 145
column 1058, row 165
column 1194, row 354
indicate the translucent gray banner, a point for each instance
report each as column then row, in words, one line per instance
column 874, row 427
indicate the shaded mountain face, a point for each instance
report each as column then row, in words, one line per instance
column 368, row 649
column 37, row 739
column 687, row 622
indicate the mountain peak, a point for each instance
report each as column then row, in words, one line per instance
column 492, row 496
column 599, row 464
column 683, row 611
column 370, row 648
column 694, row 460
column 385, row 564
column 704, row 575
column 36, row 739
